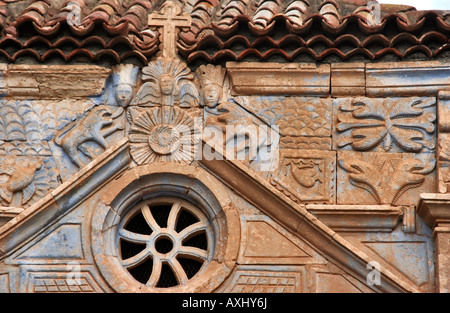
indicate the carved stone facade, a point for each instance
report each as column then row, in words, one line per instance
column 224, row 177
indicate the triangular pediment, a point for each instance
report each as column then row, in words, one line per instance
column 298, row 221
column 63, row 199
column 296, row 234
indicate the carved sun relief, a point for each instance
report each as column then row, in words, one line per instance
column 162, row 134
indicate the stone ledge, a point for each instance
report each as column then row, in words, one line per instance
column 434, row 209
column 52, row 81
column 357, row 218
column 250, row 78
column 401, row 79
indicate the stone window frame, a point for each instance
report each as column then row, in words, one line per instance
column 144, row 182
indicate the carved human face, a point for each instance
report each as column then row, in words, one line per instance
column 211, row 95
column 166, row 83
column 123, row 94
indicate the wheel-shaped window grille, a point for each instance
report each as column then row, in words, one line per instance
column 164, row 242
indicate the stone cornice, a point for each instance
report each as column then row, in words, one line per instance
column 401, row 79
column 435, row 209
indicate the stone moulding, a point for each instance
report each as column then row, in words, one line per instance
column 398, row 79
column 434, row 209
column 52, row 81
column 278, row 78
column 357, row 218
column 192, row 182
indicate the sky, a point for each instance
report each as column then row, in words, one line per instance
column 422, row 4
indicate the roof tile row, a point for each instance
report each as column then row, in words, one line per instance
column 118, row 29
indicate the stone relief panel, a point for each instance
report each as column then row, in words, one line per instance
column 443, row 149
column 167, row 82
column 383, row 178
column 59, row 283
column 306, row 176
column 45, row 141
column 386, row 149
column 98, row 123
column 385, row 125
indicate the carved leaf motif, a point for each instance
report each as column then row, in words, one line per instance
column 386, row 178
column 387, row 122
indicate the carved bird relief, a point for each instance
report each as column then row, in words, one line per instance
column 21, row 177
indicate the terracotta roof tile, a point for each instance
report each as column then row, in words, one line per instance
column 221, row 30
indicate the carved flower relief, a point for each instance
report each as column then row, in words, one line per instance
column 162, row 134
column 406, row 123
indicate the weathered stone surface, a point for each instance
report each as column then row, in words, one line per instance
column 306, row 176
column 285, row 79
column 381, row 178
column 348, row 79
column 385, row 124
column 120, row 179
column 406, row 79
column 53, row 81
column 357, row 218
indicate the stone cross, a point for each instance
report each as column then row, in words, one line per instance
column 169, row 19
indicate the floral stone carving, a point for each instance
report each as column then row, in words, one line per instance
column 388, row 124
column 162, row 134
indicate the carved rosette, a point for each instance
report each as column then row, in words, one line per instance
column 163, row 134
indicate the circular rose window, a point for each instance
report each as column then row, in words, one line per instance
column 164, row 242
column 167, row 227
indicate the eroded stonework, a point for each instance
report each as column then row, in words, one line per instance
column 234, row 177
